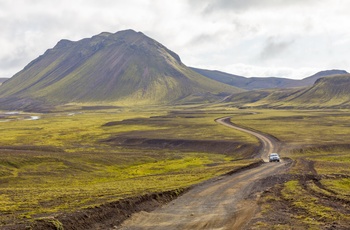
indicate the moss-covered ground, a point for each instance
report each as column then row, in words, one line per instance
column 64, row 161
column 317, row 193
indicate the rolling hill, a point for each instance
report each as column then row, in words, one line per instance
column 266, row 82
column 124, row 68
column 327, row 92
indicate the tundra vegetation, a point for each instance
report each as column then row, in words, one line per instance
column 69, row 160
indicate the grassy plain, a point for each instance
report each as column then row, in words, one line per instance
column 70, row 160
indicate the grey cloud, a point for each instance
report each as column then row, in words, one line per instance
column 209, row 6
column 202, row 39
column 274, row 47
column 19, row 57
column 205, row 32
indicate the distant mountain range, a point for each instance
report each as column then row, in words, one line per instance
column 3, row 80
column 129, row 68
column 327, row 92
column 266, row 82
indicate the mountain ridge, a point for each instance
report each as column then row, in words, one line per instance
column 253, row 83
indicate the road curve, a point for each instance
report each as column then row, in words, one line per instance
column 222, row 203
column 269, row 144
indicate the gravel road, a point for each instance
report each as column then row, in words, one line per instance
column 222, row 203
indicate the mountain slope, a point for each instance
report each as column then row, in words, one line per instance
column 265, row 82
column 260, row 97
column 122, row 68
column 2, row 80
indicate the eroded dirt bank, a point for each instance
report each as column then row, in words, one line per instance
column 106, row 216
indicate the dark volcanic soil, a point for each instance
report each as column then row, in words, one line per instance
column 106, row 216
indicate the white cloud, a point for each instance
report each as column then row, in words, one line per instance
column 281, row 71
column 286, row 38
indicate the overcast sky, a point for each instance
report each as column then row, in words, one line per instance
column 282, row 38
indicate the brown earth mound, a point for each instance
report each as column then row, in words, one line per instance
column 211, row 146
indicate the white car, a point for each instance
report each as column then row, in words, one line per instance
column 274, row 157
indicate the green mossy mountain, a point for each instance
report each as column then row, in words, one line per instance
column 125, row 68
column 333, row 91
column 327, row 92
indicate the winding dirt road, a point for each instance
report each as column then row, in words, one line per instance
column 222, row 203
column 269, row 143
